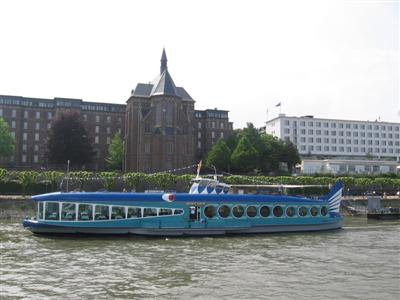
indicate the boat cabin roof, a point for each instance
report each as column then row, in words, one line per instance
column 100, row 197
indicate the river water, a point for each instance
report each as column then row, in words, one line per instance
column 359, row 262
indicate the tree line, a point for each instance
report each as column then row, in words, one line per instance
column 249, row 151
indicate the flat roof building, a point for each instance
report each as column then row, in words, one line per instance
column 338, row 138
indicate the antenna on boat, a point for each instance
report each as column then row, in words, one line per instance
column 67, row 174
column 198, row 170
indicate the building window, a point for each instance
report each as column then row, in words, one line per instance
column 36, row 148
column 38, row 115
column 169, row 113
column 35, row 158
column 24, row 136
column 97, row 119
column 212, row 124
column 147, row 148
column 222, row 135
column 199, row 125
column 198, row 145
column 48, row 125
column 26, row 114
column 37, row 126
column 199, row 135
column 24, row 147
column 169, row 147
column 213, row 134
column 23, row 158
column 108, row 119
column 13, row 124
column 1, row 112
column 97, row 129
column 36, row 137
column 84, row 117
column 108, row 140
column 49, row 115
column 108, row 130
column 13, row 113
column 96, row 139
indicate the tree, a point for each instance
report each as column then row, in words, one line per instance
column 219, row 156
column 290, row 155
column 7, row 141
column 68, row 140
column 116, row 152
column 245, row 156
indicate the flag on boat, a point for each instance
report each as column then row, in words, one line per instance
column 279, row 104
column 199, row 168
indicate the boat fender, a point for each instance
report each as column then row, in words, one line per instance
column 169, row 197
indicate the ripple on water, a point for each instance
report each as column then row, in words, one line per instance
column 355, row 263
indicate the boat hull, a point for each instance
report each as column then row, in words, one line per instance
column 384, row 216
column 39, row 228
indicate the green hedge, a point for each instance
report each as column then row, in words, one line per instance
column 31, row 182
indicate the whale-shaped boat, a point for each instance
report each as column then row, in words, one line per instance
column 208, row 209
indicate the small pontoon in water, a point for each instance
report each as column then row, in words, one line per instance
column 208, row 209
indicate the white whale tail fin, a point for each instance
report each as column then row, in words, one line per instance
column 335, row 196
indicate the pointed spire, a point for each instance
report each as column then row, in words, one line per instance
column 163, row 61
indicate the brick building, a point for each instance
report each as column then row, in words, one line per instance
column 163, row 130
column 30, row 119
column 212, row 124
column 160, row 126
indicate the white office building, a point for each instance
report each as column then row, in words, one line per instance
column 331, row 138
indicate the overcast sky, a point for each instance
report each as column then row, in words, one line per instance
column 331, row 59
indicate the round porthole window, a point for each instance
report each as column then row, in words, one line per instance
column 278, row 211
column 224, row 211
column 265, row 211
column 251, row 211
column 324, row 211
column 302, row 211
column 238, row 211
column 290, row 211
column 210, row 211
column 314, row 211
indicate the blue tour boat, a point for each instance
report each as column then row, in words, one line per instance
column 208, row 209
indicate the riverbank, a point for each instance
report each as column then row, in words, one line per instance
column 17, row 207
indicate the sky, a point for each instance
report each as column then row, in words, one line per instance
column 331, row 59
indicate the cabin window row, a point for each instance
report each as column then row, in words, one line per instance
column 252, row 211
column 89, row 212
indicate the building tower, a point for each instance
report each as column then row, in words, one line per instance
column 159, row 125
